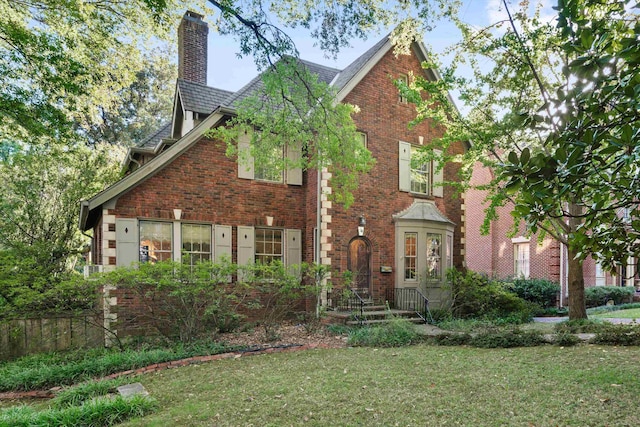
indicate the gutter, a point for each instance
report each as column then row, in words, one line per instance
column 84, row 214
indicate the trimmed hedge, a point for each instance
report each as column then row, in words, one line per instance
column 599, row 295
column 539, row 291
column 477, row 296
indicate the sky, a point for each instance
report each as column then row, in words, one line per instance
column 227, row 71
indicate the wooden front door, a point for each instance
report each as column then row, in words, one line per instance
column 359, row 263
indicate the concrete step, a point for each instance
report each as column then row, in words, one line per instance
column 416, row 320
column 372, row 316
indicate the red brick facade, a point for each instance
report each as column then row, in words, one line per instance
column 493, row 254
column 204, row 184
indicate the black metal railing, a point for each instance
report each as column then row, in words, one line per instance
column 349, row 300
column 410, row 299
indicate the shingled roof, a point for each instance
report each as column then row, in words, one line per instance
column 154, row 139
column 201, row 98
column 352, row 69
column 325, row 74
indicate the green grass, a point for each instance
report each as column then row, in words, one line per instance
column 56, row 369
column 95, row 413
column 633, row 313
column 586, row 385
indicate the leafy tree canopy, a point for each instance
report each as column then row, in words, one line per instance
column 61, row 59
column 554, row 111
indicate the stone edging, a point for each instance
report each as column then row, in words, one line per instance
column 48, row 394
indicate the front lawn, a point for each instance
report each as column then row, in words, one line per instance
column 633, row 313
column 419, row 385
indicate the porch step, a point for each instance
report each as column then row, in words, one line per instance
column 377, row 314
column 381, row 321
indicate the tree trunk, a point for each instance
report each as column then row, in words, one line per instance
column 577, row 306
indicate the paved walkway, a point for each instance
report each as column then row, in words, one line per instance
column 617, row 321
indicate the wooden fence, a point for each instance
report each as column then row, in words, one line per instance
column 19, row 337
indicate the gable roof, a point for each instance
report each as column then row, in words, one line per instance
column 89, row 208
column 325, row 74
column 201, row 98
column 208, row 100
column 352, row 69
column 152, row 141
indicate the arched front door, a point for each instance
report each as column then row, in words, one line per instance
column 359, row 263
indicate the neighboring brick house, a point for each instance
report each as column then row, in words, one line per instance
column 501, row 256
column 184, row 195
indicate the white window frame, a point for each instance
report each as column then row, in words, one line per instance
column 521, row 258
column 407, row 171
column 271, row 172
column 261, row 253
column 420, row 170
column 143, row 224
column 189, row 255
column 411, row 257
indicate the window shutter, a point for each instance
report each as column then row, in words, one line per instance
column 294, row 249
column 294, row 173
column 438, row 176
column 127, row 242
column 246, row 247
column 222, row 242
column 245, row 159
column 404, row 167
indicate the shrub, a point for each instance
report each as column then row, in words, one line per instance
column 96, row 413
column 452, row 339
column 278, row 290
column 467, row 325
column 475, row 295
column 580, row 326
column 397, row 332
column 565, row 339
column 28, row 286
column 508, row 338
column 182, row 301
column 599, row 295
column 627, row 335
column 542, row 292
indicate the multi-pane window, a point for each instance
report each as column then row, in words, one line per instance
column 449, row 251
column 419, row 174
column 410, row 255
column 155, row 241
column 268, row 245
column 269, row 166
column 434, row 267
column 196, row 243
column 521, row 259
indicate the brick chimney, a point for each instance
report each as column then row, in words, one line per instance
column 192, row 48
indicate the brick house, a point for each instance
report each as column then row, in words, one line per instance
column 499, row 255
column 183, row 195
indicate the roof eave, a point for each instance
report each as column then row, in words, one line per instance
column 148, row 169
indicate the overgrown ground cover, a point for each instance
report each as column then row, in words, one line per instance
column 586, row 385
